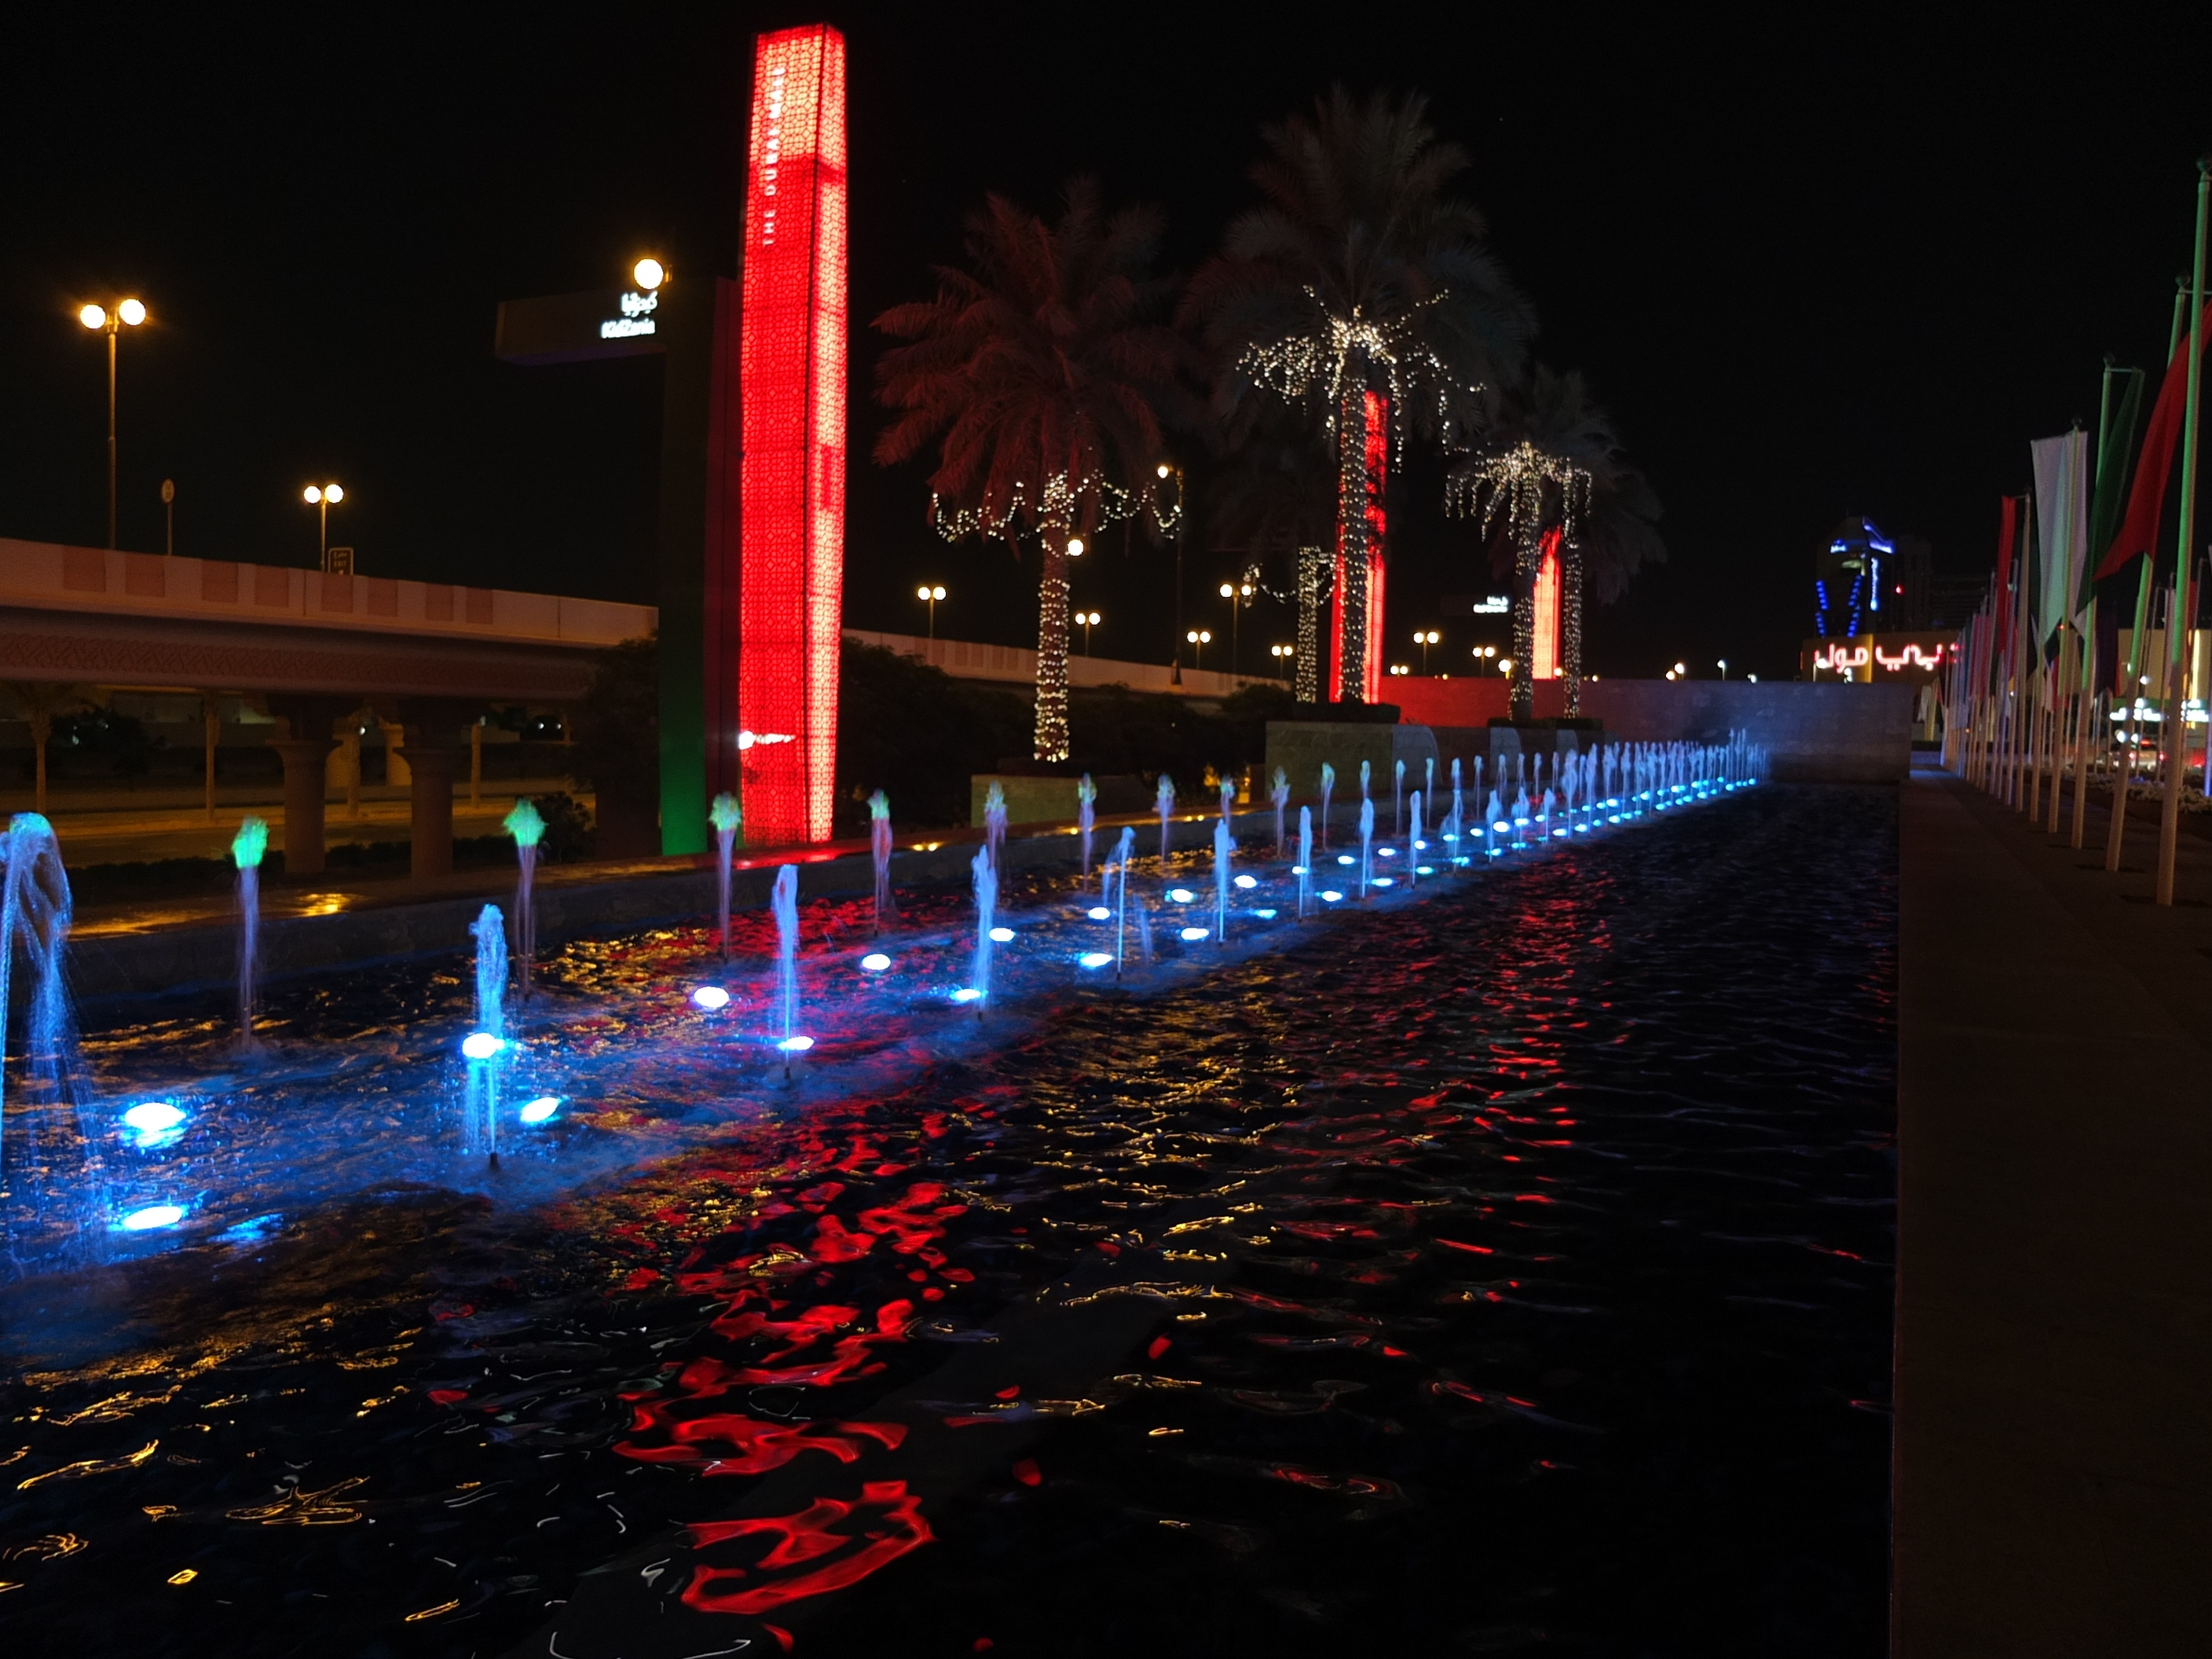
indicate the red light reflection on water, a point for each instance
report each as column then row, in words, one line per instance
column 825, row 1546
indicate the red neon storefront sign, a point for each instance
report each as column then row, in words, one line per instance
column 792, row 355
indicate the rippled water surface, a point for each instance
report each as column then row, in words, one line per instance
column 1506, row 1272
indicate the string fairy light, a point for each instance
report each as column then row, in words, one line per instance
column 1066, row 510
column 1519, row 482
column 1356, row 368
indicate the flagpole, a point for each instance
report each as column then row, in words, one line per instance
column 2177, row 624
column 2085, row 706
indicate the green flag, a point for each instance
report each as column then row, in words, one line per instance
column 2110, row 498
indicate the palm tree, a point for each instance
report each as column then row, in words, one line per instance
column 1276, row 500
column 1359, row 291
column 1044, row 377
column 1546, row 473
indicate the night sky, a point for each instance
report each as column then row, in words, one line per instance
column 1812, row 273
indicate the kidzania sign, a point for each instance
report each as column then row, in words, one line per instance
column 791, row 367
column 753, row 493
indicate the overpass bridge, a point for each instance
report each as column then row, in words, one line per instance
column 310, row 648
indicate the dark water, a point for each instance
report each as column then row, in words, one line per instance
column 1528, row 1291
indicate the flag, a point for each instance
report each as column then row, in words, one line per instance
column 2062, row 521
column 2113, row 468
column 2138, row 531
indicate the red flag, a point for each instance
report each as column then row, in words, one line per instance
column 2138, row 532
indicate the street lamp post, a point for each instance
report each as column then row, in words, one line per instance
column 1165, row 469
column 169, row 516
column 1484, row 653
column 1239, row 595
column 1199, row 638
column 1090, row 619
column 1425, row 640
column 1284, row 655
column 929, row 596
column 323, row 498
column 1723, row 667
column 128, row 313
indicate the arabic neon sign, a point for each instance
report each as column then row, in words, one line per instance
column 1843, row 660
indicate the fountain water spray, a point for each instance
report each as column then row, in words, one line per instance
column 1305, row 859
column 1397, row 797
column 994, row 822
column 1123, row 851
column 246, row 848
column 1413, row 846
column 783, row 899
column 1224, row 849
column 1366, row 838
column 35, row 911
column 485, row 1045
column 879, row 847
column 1328, row 784
column 1166, row 802
column 728, row 821
column 528, row 829
column 987, row 905
column 1280, row 796
column 1228, row 798
column 1086, row 797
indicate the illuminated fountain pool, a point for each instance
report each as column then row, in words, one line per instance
column 1534, row 1223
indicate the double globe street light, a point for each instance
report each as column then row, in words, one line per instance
column 127, row 313
column 323, row 498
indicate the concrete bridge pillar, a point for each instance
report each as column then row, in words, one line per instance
column 305, row 749
column 436, row 751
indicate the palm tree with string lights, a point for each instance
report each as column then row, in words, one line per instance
column 1041, row 373
column 1544, row 468
column 1363, row 294
column 1275, row 501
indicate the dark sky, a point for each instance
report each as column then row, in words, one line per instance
column 1836, row 266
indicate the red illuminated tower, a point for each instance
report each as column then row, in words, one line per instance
column 791, row 505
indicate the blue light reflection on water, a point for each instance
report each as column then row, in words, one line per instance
column 1395, row 1103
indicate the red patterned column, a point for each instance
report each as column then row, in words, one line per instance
column 792, row 356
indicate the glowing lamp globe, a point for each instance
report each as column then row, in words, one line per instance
column 132, row 311
column 92, row 316
column 648, row 274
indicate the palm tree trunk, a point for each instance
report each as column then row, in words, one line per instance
column 1051, row 743
column 1353, row 645
column 1527, row 558
column 1314, row 583
column 1570, row 624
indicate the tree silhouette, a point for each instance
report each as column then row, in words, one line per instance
column 1041, row 375
column 1361, row 292
column 1544, row 462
